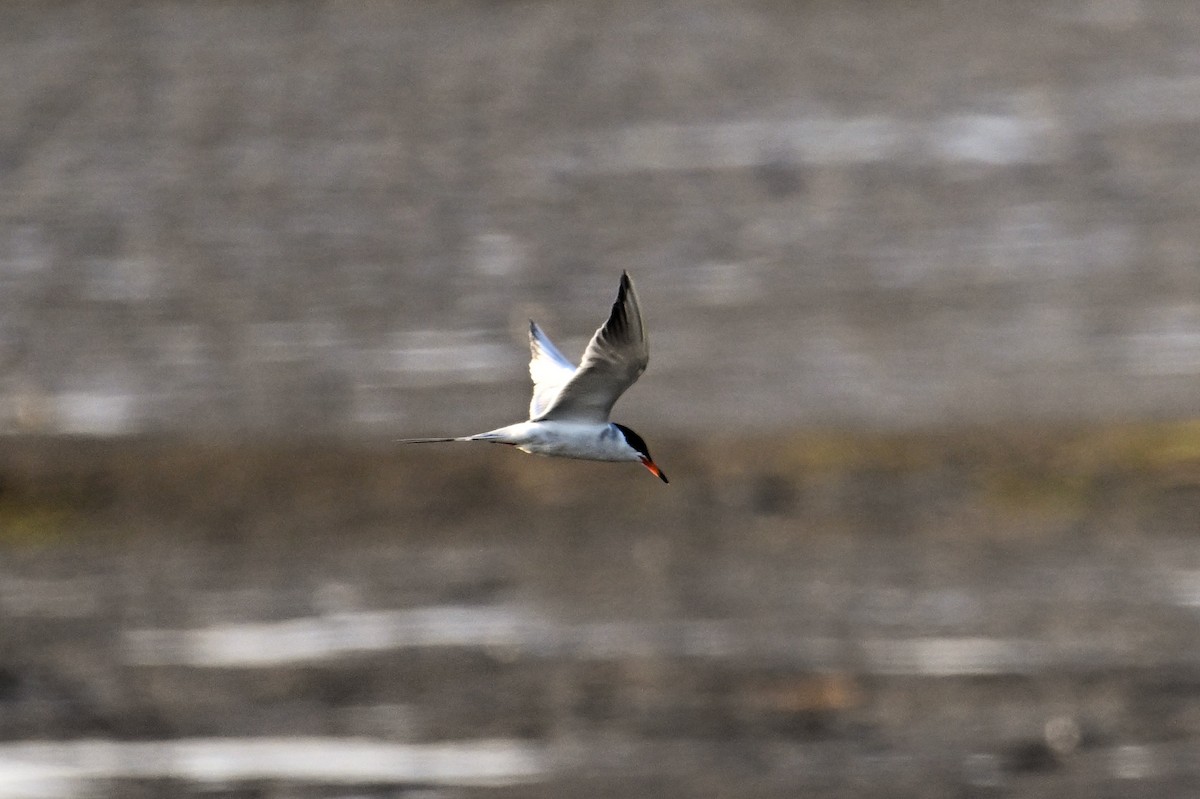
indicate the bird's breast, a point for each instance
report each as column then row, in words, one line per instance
column 583, row 441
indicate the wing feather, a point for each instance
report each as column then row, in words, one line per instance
column 549, row 369
column 614, row 359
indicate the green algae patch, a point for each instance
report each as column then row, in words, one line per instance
column 1069, row 456
column 32, row 524
column 1016, row 471
column 1160, row 447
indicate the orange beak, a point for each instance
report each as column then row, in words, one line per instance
column 654, row 470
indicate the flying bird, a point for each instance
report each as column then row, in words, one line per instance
column 568, row 415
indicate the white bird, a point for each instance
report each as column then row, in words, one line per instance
column 568, row 415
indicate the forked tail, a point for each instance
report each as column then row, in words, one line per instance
column 428, row 440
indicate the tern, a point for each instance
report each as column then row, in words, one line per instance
column 568, row 415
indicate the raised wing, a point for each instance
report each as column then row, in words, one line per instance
column 614, row 359
column 549, row 369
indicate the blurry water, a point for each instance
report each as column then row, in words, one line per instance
column 836, row 215
column 833, row 659
column 530, row 632
column 43, row 769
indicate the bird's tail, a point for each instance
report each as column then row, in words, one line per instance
column 500, row 436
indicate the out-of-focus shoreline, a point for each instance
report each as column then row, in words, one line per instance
column 1022, row 470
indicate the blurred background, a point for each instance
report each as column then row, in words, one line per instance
column 923, row 294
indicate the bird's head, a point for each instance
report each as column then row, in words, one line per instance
column 638, row 445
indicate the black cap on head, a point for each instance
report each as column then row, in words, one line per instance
column 639, row 444
column 633, row 439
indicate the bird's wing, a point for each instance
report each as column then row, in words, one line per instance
column 614, row 359
column 549, row 369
